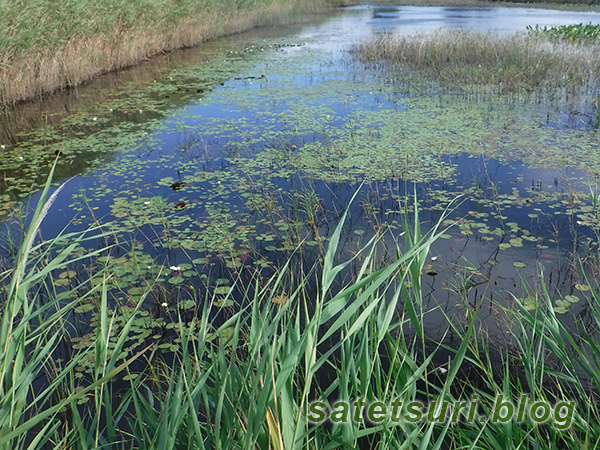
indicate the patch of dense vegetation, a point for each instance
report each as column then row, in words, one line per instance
column 577, row 32
column 46, row 45
column 509, row 63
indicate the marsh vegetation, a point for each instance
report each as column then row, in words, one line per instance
column 512, row 63
column 47, row 46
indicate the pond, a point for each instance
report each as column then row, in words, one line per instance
column 212, row 165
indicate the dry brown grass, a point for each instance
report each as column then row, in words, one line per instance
column 509, row 62
column 61, row 64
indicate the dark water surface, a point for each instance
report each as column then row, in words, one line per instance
column 418, row 19
column 224, row 159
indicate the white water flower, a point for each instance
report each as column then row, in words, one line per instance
column 95, row 118
column 146, row 203
column 3, row 146
column 165, row 304
column 175, row 268
column 433, row 258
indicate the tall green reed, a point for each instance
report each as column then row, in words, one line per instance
column 247, row 382
column 37, row 390
column 545, row 360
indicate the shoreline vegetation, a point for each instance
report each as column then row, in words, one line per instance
column 47, row 46
column 247, row 380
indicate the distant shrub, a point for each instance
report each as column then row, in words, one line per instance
column 578, row 32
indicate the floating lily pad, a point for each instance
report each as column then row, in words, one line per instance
column 136, row 291
column 86, row 307
column 582, row 287
column 519, row 264
column 223, row 334
column 571, row 298
column 186, row 304
column 516, row 242
column 429, row 270
column 529, row 302
column 223, row 303
column 222, row 290
column 67, row 274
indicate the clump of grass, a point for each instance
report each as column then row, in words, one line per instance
column 38, row 390
column 556, row 361
column 509, row 63
column 248, row 382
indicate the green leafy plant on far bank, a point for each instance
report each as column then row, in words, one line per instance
column 572, row 33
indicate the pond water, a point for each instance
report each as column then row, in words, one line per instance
column 226, row 159
column 411, row 19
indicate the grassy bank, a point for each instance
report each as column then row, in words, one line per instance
column 241, row 372
column 45, row 45
column 510, row 63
